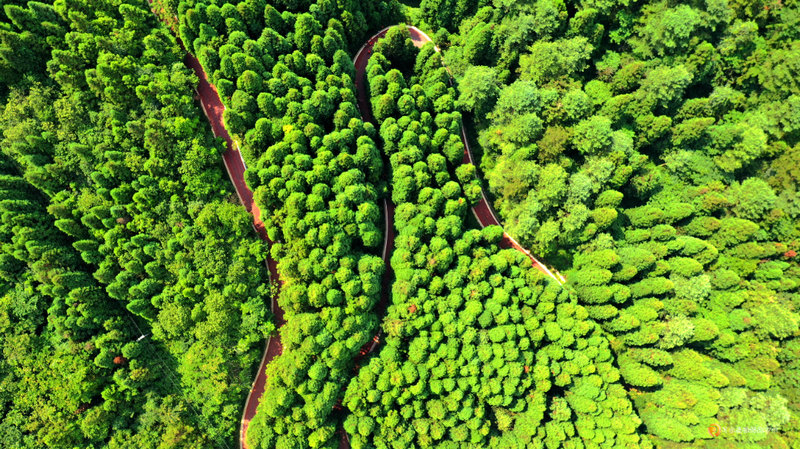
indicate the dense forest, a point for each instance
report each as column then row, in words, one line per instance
column 649, row 151
column 474, row 332
column 135, row 299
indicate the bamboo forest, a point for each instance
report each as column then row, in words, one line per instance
column 400, row 224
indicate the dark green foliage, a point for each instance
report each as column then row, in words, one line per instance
column 133, row 293
column 24, row 33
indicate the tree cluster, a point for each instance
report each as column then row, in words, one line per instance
column 701, row 305
column 650, row 149
column 285, row 76
column 481, row 349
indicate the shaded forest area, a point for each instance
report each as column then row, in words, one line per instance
column 134, row 294
column 648, row 150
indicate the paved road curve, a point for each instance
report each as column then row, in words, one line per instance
column 482, row 211
column 234, row 164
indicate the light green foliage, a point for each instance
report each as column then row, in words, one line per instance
column 664, row 85
column 702, row 299
column 478, row 90
column 577, row 104
column 752, row 199
column 518, row 97
column 593, row 135
column 551, row 60
column 667, row 30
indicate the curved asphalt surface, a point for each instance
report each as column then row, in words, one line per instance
column 234, row 164
column 482, row 210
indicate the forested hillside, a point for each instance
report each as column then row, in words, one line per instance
column 649, row 151
column 135, row 298
column 286, row 79
column 482, row 350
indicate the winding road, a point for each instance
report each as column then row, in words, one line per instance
column 235, row 166
column 482, row 210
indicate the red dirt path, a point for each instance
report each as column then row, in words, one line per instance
column 234, row 164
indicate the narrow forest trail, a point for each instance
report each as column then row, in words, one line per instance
column 483, row 211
